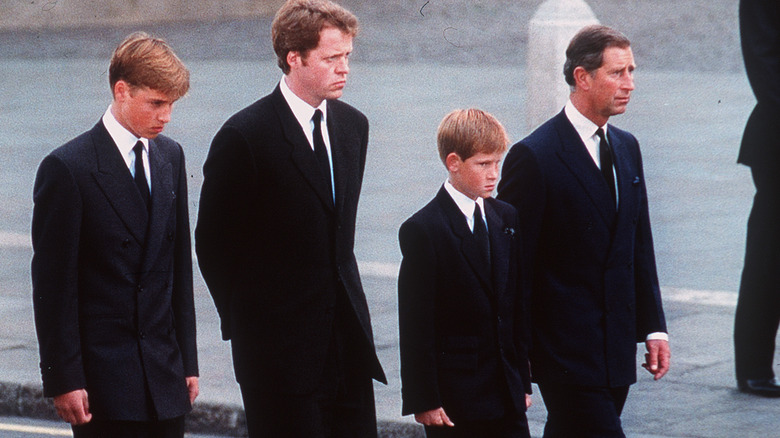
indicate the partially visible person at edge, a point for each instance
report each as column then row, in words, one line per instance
column 758, row 306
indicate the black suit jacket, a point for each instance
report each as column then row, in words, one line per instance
column 112, row 284
column 462, row 323
column 274, row 249
column 595, row 289
column 760, row 35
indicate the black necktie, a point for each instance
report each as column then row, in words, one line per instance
column 140, row 174
column 319, row 149
column 605, row 156
column 481, row 234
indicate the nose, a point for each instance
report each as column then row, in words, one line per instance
column 628, row 83
column 493, row 172
column 164, row 115
column 343, row 66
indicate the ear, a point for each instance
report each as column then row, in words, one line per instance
column 121, row 90
column 582, row 78
column 453, row 162
column 294, row 58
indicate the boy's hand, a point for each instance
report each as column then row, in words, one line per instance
column 434, row 417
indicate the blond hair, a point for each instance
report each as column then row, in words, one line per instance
column 469, row 132
column 145, row 61
column 297, row 25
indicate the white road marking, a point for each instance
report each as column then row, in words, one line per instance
column 14, row 240
column 390, row 271
column 36, row 429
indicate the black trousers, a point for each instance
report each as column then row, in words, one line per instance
column 341, row 407
column 758, row 305
column 582, row 411
column 173, row 428
column 511, row 426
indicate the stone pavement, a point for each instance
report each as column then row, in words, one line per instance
column 688, row 124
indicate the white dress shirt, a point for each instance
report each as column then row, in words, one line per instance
column 303, row 112
column 465, row 204
column 125, row 141
column 587, row 131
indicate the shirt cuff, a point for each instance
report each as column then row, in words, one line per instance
column 658, row 336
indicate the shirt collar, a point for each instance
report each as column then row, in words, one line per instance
column 464, row 203
column 302, row 111
column 584, row 127
column 124, row 139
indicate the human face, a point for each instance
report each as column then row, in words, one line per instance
column 321, row 73
column 476, row 176
column 141, row 110
column 609, row 87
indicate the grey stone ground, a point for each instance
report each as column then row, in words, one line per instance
column 688, row 112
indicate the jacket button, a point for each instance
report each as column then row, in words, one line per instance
column 142, row 335
column 170, row 236
column 126, row 243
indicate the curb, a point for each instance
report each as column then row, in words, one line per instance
column 18, row 400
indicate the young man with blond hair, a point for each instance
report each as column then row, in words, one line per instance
column 112, row 264
column 463, row 328
column 275, row 238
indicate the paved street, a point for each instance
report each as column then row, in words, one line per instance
column 688, row 124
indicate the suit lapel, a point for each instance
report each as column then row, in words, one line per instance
column 114, row 179
column 468, row 245
column 163, row 197
column 302, row 154
column 575, row 156
column 500, row 245
column 342, row 154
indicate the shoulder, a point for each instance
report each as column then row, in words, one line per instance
column 504, row 209
column 622, row 135
column 424, row 218
column 75, row 152
column 169, row 149
column 347, row 111
column 256, row 114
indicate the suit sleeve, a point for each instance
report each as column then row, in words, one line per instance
column 56, row 227
column 522, row 185
column 649, row 310
column 223, row 219
column 416, row 315
column 522, row 316
column 759, row 22
column 183, row 299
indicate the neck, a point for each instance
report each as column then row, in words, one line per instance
column 585, row 109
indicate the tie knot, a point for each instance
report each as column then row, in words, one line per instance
column 600, row 133
column 477, row 212
column 139, row 147
column 317, row 117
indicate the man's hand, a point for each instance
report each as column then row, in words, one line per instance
column 528, row 401
column 194, row 389
column 73, row 407
column 657, row 357
column 435, row 417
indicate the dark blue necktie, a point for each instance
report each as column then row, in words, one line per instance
column 481, row 234
column 140, row 174
column 605, row 156
column 319, row 149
